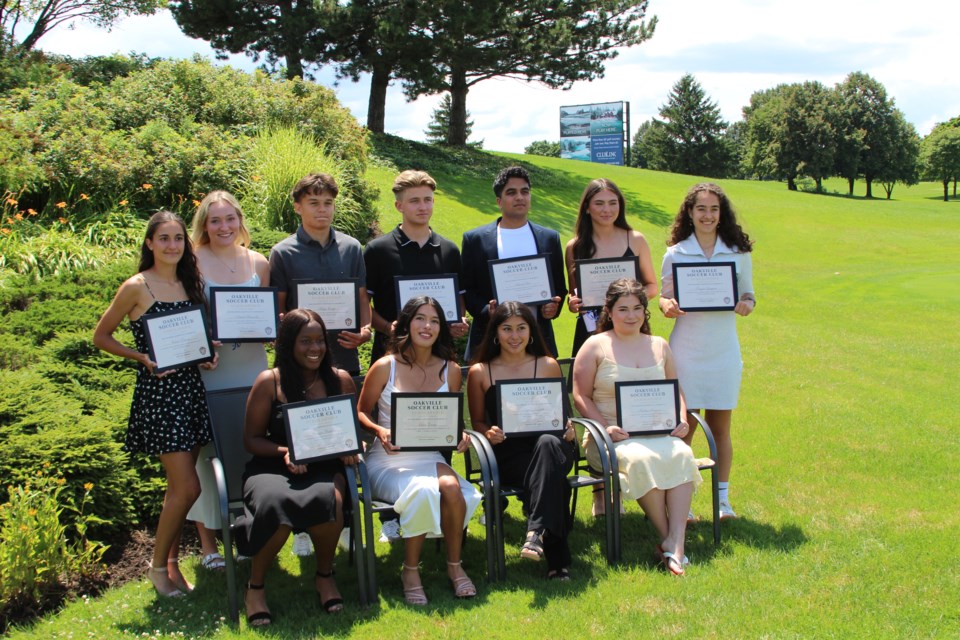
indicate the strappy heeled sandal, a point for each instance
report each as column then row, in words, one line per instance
column 162, row 571
column 463, row 586
column 260, row 618
column 414, row 595
column 333, row 605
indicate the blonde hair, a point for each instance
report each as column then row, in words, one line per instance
column 412, row 178
column 198, row 230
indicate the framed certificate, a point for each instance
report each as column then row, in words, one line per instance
column 178, row 338
column 337, row 301
column 322, row 429
column 426, row 421
column 705, row 286
column 531, row 406
column 244, row 314
column 444, row 287
column 648, row 407
column 595, row 276
column 525, row 280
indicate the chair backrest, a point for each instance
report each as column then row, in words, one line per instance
column 228, row 409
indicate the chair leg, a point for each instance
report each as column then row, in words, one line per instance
column 230, row 566
column 715, row 482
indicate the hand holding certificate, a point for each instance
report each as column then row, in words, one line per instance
column 705, row 286
column 178, row 338
column 244, row 314
column 648, row 407
column 531, row 406
column 321, row 429
column 426, row 421
column 527, row 280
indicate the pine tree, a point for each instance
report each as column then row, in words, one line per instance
column 436, row 131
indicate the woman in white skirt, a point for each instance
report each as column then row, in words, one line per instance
column 429, row 496
column 705, row 342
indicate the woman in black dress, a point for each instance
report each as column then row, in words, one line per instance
column 280, row 497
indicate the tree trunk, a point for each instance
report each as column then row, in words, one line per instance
column 850, row 182
column 791, row 184
column 954, row 187
column 946, row 191
column 869, row 182
column 377, row 105
column 292, row 51
column 819, row 182
column 457, row 131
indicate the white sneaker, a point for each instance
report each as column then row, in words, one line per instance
column 344, row 541
column 691, row 518
column 390, row 531
column 302, row 545
column 727, row 512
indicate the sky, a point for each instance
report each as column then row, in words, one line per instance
column 733, row 48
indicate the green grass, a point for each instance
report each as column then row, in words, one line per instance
column 845, row 435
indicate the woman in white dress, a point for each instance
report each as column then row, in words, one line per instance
column 659, row 471
column 220, row 240
column 705, row 343
column 429, row 496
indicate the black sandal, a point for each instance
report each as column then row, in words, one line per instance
column 333, row 605
column 562, row 575
column 533, row 547
column 260, row 618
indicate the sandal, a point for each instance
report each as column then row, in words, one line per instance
column 415, row 596
column 561, row 575
column 332, row 605
column 260, row 618
column 673, row 564
column 532, row 548
column 213, row 562
column 162, row 571
column 183, row 585
column 463, row 586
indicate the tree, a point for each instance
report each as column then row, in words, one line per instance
column 867, row 129
column 649, row 139
column 46, row 15
column 940, row 156
column 902, row 163
column 690, row 139
column 543, row 148
column 440, row 123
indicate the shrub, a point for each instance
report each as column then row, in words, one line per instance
column 543, row 148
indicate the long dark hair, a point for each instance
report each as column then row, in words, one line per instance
column 728, row 229
column 490, row 348
column 187, row 272
column 583, row 244
column 401, row 344
column 618, row 289
column 291, row 377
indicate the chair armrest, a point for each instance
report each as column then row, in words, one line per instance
column 608, row 459
column 707, row 433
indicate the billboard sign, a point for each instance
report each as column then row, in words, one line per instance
column 593, row 132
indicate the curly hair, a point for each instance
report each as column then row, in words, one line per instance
column 728, row 229
column 489, row 348
column 400, row 342
column 187, row 271
column 504, row 177
column 291, row 376
column 619, row 289
column 583, row 245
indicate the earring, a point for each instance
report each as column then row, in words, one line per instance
column 496, row 341
column 531, row 341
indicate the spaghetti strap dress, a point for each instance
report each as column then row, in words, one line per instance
column 645, row 462
column 408, row 479
column 168, row 413
column 272, row 496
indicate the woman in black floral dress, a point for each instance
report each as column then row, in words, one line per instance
column 168, row 416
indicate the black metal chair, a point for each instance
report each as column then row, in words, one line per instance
column 227, row 412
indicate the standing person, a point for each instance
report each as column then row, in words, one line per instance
column 602, row 231
column 168, row 415
column 512, row 235
column 318, row 250
column 705, row 343
column 279, row 496
column 659, row 472
column 411, row 249
column 427, row 493
column 220, row 239
column 513, row 349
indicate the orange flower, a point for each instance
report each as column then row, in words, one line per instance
column 123, row 203
column 19, row 216
column 9, row 220
column 31, row 212
column 147, row 186
column 61, row 205
column 12, row 202
column 63, row 220
column 196, row 203
column 255, row 178
column 84, row 196
column 88, row 485
column 5, row 231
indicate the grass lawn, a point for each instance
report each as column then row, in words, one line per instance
column 845, row 435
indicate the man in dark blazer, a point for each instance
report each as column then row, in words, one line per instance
column 511, row 236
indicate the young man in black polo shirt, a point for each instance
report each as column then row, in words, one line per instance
column 411, row 249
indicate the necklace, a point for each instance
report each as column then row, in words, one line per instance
column 236, row 258
column 315, row 379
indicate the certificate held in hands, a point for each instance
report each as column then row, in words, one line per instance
column 525, row 280
column 594, row 277
column 178, row 338
column 337, row 302
column 648, row 407
column 244, row 314
column 322, row 429
column 531, row 406
column 444, row 288
column 705, row 286
column 426, row 421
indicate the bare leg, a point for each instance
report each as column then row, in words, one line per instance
column 654, row 504
column 183, row 487
column 208, row 539
column 453, row 510
column 324, row 538
column 678, row 505
column 255, row 600
column 719, row 421
column 410, row 576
